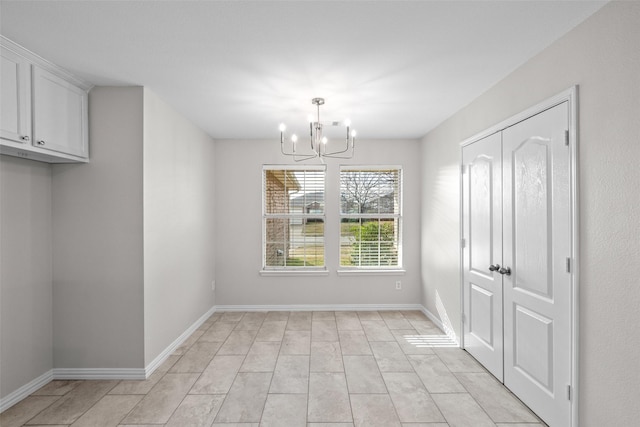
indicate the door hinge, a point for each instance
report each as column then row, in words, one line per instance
column 464, row 318
column 568, row 264
column 568, row 392
column 463, row 169
column 463, row 243
column 566, row 138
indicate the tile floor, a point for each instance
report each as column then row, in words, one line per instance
column 309, row 369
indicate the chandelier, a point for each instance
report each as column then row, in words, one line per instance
column 319, row 142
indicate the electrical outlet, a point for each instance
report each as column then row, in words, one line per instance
column 398, row 285
column 213, row 285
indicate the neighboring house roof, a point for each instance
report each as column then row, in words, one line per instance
column 308, row 198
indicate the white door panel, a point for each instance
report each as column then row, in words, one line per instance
column 482, row 192
column 537, row 242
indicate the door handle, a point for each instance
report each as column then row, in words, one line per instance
column 505, row 270
column 494, row 267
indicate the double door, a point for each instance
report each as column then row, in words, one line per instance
column 517, row 275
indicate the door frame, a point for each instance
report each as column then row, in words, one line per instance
column 571, row 96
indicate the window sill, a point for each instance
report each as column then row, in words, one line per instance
column 283, row 273
column 372, row 272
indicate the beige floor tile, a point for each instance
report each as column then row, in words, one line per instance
column 390, row 314
column 251, row 321
column 521, row 425
column 239, row 342
column 72, row 405
column 425, row 425
column 273, row 316
column 326, row 357
column 348, row 321
column 205, row 325
column 271, row 331
column 458, row 360
column 261, row 357
column 218, row 376
column 363, row 375
column 369, row 315
column 291, row 375
column 460, row 410
column 137, row 386
column 157, row 406
column 435, row 375
column 377, row 330
column 299, row 321
column 329, row 424
column 109, row 411
column 132, row 425
column 496, row 400
column 231, row 316
column 296, row 343
column 168, row 363
column 425, row 327
column 285, row 410
column 389, row 357
column 196, row 411
column 322, row 315
column 409, row 342
column 57, row 388
column 196, row 358
column 354, row 343
column 397, row 323
column 219, row 332
column 328, row 398
column 411, row 399
column 246, row 399
column 414, row 315
column 186, row 345
column 324, row 330
column 235, row 425
column 25, row 410
column 373, row 410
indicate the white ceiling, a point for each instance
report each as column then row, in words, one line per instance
column 237, row 68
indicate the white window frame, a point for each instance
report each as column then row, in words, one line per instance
column 292, row 270
column 345, row 270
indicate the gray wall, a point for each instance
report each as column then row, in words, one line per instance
column 238, row 176
column 97, row 241
column 602, row 55
column 178, row 224
column 25, row 272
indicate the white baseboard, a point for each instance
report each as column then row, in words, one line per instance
column 448, row 331
column 320, row 307
column 16, row 396
column 159, row 360
column 98, row 374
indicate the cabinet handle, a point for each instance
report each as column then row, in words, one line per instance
column 41, row 142
column 25, row 137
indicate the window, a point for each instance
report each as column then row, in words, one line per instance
column 370, row 217
column 293, row 217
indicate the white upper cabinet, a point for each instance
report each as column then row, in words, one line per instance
column 44, row 109
column 59, row 114
column 15, row 119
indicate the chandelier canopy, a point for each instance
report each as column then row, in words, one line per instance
column 319, row 142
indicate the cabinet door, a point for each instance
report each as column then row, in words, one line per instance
column 16, row 109
column 482, row 253
column 59, row 114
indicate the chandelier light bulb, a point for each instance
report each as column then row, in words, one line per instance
column 310, row 118
column 282, row 127
column 353, row 133
column 347, row 122
column 324, row 139
column 294, row 138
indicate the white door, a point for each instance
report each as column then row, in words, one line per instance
column 537, row 250
column 482, row 253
